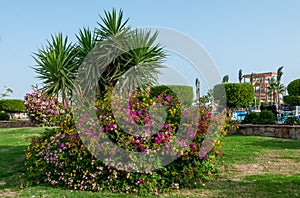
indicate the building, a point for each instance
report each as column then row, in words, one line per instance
column 261, row 81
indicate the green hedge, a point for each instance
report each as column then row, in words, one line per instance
column 182, row 92
column 12, row 106
column 265, row 117
column 4, row 116
column 234, row 95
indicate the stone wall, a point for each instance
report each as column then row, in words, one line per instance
column 16, row 124
column 280, row 131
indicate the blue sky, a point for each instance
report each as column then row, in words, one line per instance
column 255, row 36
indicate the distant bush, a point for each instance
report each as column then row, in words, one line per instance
column 12, row 106
column 292, row 121
column 4, row 116
column 264, row 117
column 267, row 117
column 251, row 118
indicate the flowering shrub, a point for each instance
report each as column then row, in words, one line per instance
column 71, row 160
column 42, row 109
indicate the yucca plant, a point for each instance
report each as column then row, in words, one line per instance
column 113, row 53
column 57, row 66
column 121, row 54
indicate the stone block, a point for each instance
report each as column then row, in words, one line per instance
column 285, row 132
column 292, row 133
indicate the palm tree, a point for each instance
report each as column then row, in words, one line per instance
column 272, row 90
column 197, row 83
column 252, row 78
column 57, row 66
column 225, row 79
column 240, row 75
column 5, row 92
column 280, row 89
column 279, row 74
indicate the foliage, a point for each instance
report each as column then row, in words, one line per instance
column 292, row 100
column 292, row 121
column 240, row 75
column 293, row 88
column 225, row 79
column 279, row 74
column 5, row 92
column 63, row 160
column 57, row 66
column 4, row 116
column 237, row 95
column 12, row 106
column 294, row 93
column 113, row 50
column 264, row 117
column 181, row 92
column 267, row 117
column 252, row 78
column 42, row 109
column 275, row 88
column 251, row 118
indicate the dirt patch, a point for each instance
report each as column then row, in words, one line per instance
column 271, row 163
column 7, row 193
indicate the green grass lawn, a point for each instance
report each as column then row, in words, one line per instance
column 251, row 167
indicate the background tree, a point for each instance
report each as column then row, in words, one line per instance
column 240, row 75
column 272, row 87
column 5, row 92
column 280, row 88
column 279, row 74
column 197, row 83
column 293, row 89
column 252, row 78
column 225, row 79
column 275, row 88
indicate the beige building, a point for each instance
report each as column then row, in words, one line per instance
column 261, row 81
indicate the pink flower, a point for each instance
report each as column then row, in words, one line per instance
column 220, row 152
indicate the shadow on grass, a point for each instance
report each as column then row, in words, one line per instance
column 11, row 166
column 276, row 143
